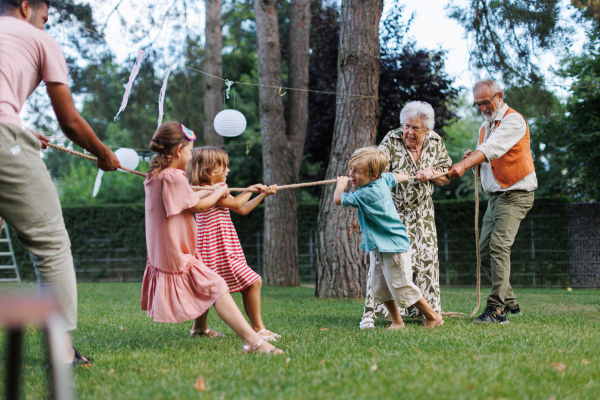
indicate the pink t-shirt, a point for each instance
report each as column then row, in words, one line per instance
column 28, row 55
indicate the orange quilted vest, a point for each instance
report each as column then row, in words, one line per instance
column 516, row 163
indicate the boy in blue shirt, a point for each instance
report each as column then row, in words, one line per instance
column 383, row 233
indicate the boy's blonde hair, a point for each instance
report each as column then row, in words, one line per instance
column 204, row 161
column 369, row 160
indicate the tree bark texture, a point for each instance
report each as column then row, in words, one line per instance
column 213, row 64
column 281, row 154
column 300, row 17
column 342, row 265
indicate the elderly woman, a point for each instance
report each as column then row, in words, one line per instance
column 416, row 150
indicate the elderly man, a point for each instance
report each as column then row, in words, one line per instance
column 508, row 175
column 28, row 199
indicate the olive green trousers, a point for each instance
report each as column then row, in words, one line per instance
column 500, row 226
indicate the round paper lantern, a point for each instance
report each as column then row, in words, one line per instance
column 230, row 123
column 128, row 157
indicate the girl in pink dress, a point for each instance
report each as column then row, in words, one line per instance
column 218, row 242
column 177, row 285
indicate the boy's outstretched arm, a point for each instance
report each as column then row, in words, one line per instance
column 342, row 183
column 401, row 177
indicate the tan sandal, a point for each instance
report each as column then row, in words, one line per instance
column 269, row 336
column 208, row 333
column 253, row 348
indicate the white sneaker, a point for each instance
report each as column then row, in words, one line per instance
column 367, row 323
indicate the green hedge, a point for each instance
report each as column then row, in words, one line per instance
column 108, row 242
column 111, row 235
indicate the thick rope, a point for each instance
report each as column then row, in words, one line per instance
column 296, row 185
column 76, row 153
column 197, row 188
column 476, row 173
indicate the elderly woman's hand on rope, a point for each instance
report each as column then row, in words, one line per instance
column 424, row 175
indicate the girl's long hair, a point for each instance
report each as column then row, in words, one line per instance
column 164, row 142
column 204, row 161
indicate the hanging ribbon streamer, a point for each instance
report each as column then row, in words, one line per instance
column 161, row 98
column 134, row 72
column 228, row 83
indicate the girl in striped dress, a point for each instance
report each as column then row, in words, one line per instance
column 217, row 240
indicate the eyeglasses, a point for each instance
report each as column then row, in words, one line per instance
column 485, row 103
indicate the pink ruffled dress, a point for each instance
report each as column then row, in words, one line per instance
column 177, row 286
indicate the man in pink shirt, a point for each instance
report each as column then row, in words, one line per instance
column 28, row 199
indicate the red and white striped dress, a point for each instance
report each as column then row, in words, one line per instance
column 221, row 250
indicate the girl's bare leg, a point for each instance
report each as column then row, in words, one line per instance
column 200, row 324
column 230, row 314
column 392, row 308
column 251, row 300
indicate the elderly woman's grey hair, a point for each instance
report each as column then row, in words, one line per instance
column 419, row 109
column 490, row 83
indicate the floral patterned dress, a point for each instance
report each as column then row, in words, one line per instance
column 415, row 208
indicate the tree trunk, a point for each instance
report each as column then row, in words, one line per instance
column 298, row 67
column 282, row 150
column 341, row 264
column 213, row 64
column 280, row 252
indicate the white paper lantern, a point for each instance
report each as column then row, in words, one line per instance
column 230, row 123
column 127, row 157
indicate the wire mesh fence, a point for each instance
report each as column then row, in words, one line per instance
column 539, row 257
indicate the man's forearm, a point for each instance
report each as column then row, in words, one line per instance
column 458, row 169
column 474, row 159
column 81, row 133
column 76, row 128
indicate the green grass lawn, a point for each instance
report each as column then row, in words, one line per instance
column 328, row 356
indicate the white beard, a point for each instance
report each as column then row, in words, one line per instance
column 491, row 118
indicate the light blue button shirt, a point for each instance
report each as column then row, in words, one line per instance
column 377, row 216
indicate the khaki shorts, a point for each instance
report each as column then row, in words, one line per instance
column 392, row 279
